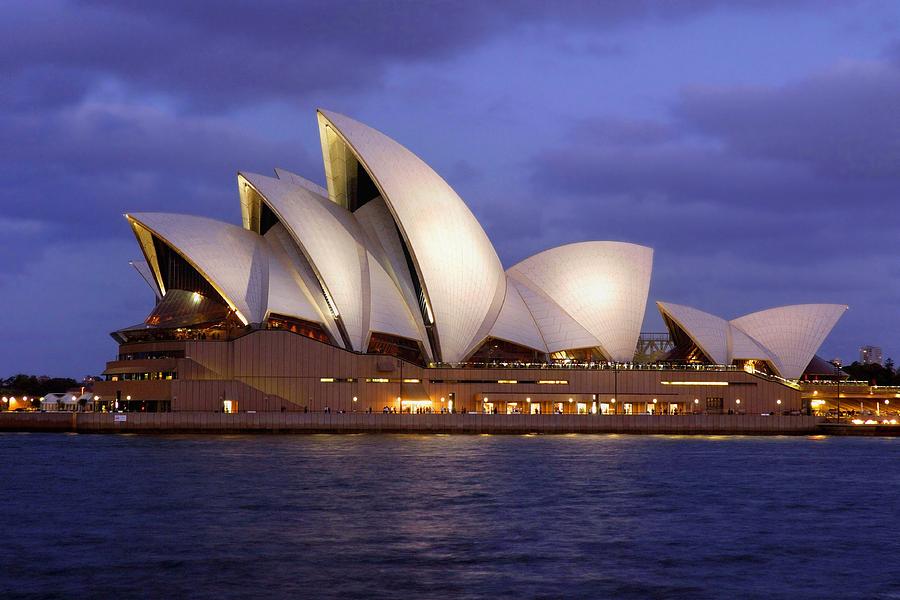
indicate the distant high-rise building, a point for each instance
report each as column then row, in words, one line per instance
column 870, row 355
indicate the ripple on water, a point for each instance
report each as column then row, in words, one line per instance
column 437, row 516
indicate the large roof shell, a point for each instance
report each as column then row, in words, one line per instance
column 708, row 331
column 288, row 293
column 232, row 259
column 331, row 241
column 792, row 333
column 341, row 255
column 601, row 285
column 516, row 323
column 462, row 279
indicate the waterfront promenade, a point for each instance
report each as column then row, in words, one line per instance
column 471, row 423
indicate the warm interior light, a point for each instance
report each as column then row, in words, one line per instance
column 694, row 382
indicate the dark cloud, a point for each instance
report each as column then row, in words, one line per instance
column 235, row 52
column 752, row 197
column 841, row 124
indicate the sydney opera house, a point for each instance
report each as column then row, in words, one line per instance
column 382, row 292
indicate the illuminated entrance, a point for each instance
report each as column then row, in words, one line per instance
column 415, row 406
column 229, row 406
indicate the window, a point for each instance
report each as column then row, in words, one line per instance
column 714, row 404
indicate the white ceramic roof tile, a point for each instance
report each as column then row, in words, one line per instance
column 558, row 330
column 234, row 260
column 331, row 239
column 515, row 323
column 708, row 331
column 602, row 285
column 457, row 264
column 792, row 334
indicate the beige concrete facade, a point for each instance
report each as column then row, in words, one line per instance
column 275, row 371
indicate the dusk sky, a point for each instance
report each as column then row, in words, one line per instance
column 754, row 145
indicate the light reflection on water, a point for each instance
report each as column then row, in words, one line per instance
column 435, row 516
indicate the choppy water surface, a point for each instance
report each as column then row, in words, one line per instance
column 448, row 516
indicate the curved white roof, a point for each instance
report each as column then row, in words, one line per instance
column 515, row 323
column 387, row 248
column 390, row 314
column 559, row 330
column 708, row 331
column 232, row 259
column 278, row 236
column 288, row 294
column 331, row 240
column 601, row 285
column 792, row 333
column 459, row 271
column 743, row 347
column 301, row 181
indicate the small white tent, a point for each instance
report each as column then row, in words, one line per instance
column 51, row 402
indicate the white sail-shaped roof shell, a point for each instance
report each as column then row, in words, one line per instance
column 557, row 328
column 232, row 259
column 340, row 252
column 390, row 314
column 708, row 331
column 301, row 181
column 601, row 285
column 792, row 334
column 331, row 241
column 462, row 279
column 516, row 323
column 288, row 293
column 387, row 248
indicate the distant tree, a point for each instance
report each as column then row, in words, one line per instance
column 871, row 373
column 889, row 365
column 32, row 386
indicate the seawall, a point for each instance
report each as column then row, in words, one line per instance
column 320, row 422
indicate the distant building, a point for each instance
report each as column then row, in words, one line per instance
column 870, row 355
column 837, row 362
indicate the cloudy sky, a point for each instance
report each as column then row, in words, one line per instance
column 754, row 145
